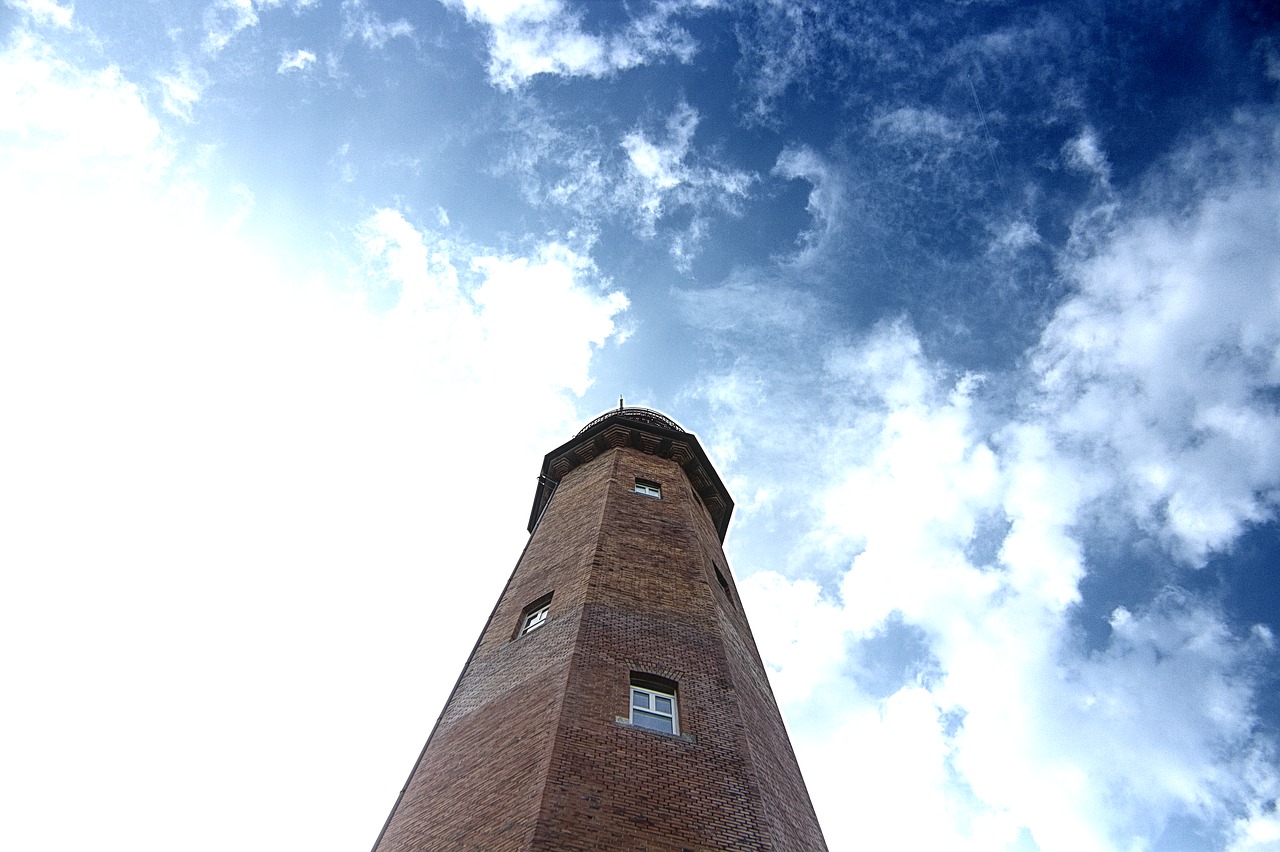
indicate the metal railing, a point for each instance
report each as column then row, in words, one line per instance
column 640, row 415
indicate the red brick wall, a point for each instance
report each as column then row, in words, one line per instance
column 533, row 749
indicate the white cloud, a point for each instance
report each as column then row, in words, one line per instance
column 659, row 169
column 504, row 344
column 1163, row 362
column 941, row 516
column 654, row 179
column 1013, row 237
column 341, row 163
column 295, row 60
column 45, row 12
column 1083, row 153
column 531, row 37
column 783, row 45
column 1008, row 730
column 182, row 89
column 804, row 631
column 225, row 19
column 826, row 198
column 741, row 305
column 230, row 487
column 81, row 126
column 1113, row 746
column 360, row 22
column 660, row 176
column 909, row 122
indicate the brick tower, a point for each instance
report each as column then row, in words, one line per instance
column 615, row 699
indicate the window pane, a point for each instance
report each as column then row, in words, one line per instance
column 639, row 699
column 650, row 489
column 661, row 704
column 652, row 722
column 535, row 619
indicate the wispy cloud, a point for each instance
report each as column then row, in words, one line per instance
column 295, row 60
column 546, row 37
column 914, row 122
column 181, row 89
column 45, row 12
column 1083, row 153
column 362, row 23
column 647, row 178
column 746, row 305
column 826, row 197
column 780, row 44
column 225, row 19
column 661, row 174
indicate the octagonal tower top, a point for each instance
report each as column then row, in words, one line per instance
column 641, row 429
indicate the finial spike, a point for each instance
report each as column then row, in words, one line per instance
column 619, row 402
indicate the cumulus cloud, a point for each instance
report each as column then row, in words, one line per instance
column 196, row 419
column 1006, row 726
column 1166, row 361
column 87, row 126
column 531, row 37
column 511, row 300
column 945, row 531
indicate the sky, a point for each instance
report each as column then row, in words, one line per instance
column 975, row 307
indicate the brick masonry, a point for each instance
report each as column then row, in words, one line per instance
column 533, row 749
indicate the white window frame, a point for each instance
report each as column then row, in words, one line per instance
column 648, row 713
column 648, row 488
column 535, row 618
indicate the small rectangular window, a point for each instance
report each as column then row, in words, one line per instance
column 653, row 704
column 535, row 615
column 648, row 489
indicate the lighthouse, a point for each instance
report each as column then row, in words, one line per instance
column 615, row 699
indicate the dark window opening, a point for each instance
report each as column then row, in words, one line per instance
column 724, row 584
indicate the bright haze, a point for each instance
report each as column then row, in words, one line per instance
column 974, row 305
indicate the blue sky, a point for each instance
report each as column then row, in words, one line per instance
column 975, row 306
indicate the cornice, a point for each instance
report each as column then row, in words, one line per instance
column 640, row 429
